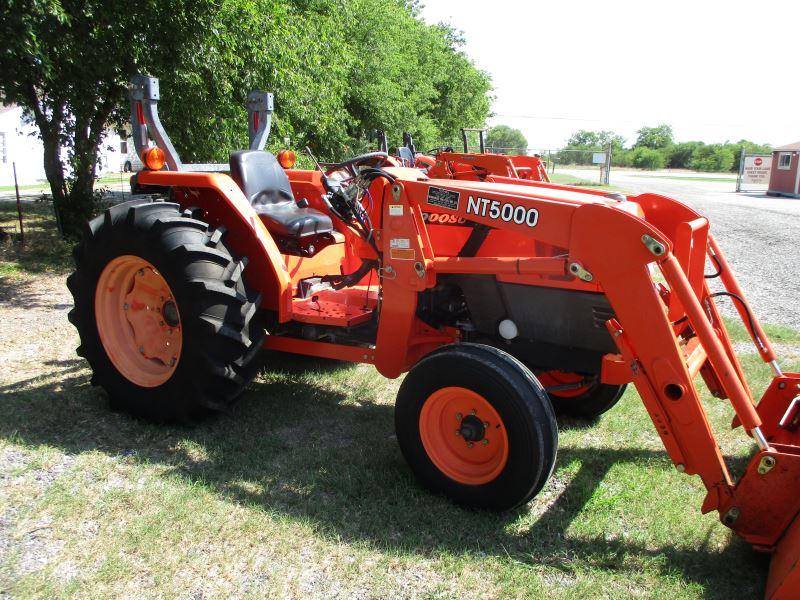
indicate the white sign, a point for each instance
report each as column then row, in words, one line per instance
column 756, row 170
column 598, row 158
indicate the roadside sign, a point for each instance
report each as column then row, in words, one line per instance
column 598, row 158
column 756, row 170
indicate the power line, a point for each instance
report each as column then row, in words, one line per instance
column 638, row 122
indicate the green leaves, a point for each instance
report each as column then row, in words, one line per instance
column 338, row 68
column 506, row 140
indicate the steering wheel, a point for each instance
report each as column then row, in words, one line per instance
column 350, row 165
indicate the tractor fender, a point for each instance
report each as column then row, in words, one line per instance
column 224, row 205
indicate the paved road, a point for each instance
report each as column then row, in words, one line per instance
column 760, row 235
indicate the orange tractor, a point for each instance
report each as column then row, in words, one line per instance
column 511, row 298
column 445, row 163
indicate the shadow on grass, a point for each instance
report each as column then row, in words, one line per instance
column 296, row 447
column 28, row 293
column 43, row 249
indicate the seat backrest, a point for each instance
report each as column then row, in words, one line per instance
column 406, row 155
column 260, row 177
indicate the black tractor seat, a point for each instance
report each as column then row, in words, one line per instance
column 267, row 188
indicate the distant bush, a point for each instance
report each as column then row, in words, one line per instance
column 713, row 157
column 655, row 149
column 749, row 148
column 681, row 154
column 621, row 158
column 503, row 139
column 647, row 158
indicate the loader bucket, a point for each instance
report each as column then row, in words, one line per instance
column 784, row 573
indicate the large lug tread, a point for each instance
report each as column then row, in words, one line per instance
column 220, row 360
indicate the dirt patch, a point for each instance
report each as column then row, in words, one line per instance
column 36, row 333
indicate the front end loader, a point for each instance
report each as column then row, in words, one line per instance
column 445, row 163
column 517, row 297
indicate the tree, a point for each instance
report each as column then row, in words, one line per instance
column 595, row 140
column 584, row 143
column 506, row 140
column 681, row 154
column 749, row 147
column 647, row 158
column 713, row 157
column 68, row 62
column 363, row 65
column 654, row 137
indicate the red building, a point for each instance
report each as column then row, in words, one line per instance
column 784, row 179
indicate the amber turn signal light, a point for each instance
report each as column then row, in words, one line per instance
column 153, row 158
column 287, row 158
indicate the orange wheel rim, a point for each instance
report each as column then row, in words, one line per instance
column 463, row 435
column 138, row 321
column 550, row 379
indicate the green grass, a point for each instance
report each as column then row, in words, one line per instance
column 300, row 491
column 776, row 333
column 567, row 179
column 687, row 178
column 114, row 178
column 43, row 185
column 30, row 186
column 42, row 249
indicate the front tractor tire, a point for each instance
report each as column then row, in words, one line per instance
column 571, row 397
column 475, row 425
column 165, row 319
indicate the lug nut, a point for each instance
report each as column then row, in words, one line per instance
column 485, row 442
column 486, row 424
column 472, row 412
column 459, row 416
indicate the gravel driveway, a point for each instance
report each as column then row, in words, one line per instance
column 759, row 235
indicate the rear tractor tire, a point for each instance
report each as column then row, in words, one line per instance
column 165, row 318
column 585, row 402
column 475, row 425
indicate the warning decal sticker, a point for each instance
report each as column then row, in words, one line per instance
column 444, row 198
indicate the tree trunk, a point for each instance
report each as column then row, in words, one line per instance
column 54, row 171
column 80, row 200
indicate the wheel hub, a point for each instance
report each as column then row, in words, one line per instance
column 170, row 312
column 138, row 321
column 478, row 451
column 472, row 429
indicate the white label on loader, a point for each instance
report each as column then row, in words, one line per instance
column 395, row 210
column 400, row 243
column 503, row 211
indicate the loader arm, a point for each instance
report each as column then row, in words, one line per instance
column 667, row 332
